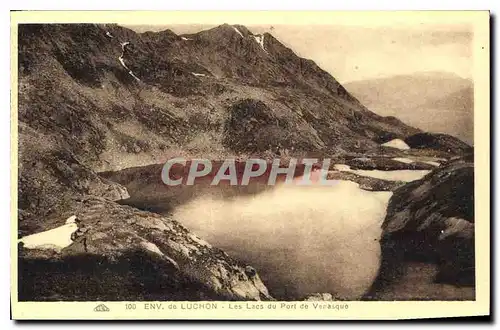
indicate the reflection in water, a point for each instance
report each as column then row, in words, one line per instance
column 301, row 239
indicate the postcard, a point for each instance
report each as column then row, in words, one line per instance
column 250, row 165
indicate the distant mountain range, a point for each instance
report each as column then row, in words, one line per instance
column 438, row 102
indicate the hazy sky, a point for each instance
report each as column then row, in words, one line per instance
column 356, row 53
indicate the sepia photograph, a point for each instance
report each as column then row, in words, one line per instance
column 264, row 162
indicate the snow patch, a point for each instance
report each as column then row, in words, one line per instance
column 133, row 75
column 260, row 40
column 71, row 219
column 53, row 239
column 123, row 62
column 198, row 74
column 238, row 31
column 397, row 175
column 109, row 34
column 124, row 44
column 430, row 162
column 396, row 143
column 342, row 167
column 404, row 160
column 409, row 161
column 120, row 58
column 186, row 39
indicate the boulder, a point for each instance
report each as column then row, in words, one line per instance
column 122, row 253
column 438, row 141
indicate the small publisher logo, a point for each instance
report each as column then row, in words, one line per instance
column 101, row 308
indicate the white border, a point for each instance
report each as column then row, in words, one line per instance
column 185, row 5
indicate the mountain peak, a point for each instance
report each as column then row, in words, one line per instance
column 242, row 30
column 228, row 30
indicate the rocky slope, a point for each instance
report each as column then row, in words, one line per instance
column 121, row 253
column 96, row 98
column 432, row 220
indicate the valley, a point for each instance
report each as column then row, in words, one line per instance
column 102, row 108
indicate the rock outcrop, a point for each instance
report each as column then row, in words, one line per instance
column 121, row 253
column 432, row 220
column 437, row 141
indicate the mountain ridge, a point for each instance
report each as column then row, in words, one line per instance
column 103, row 97
column 95, row 98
